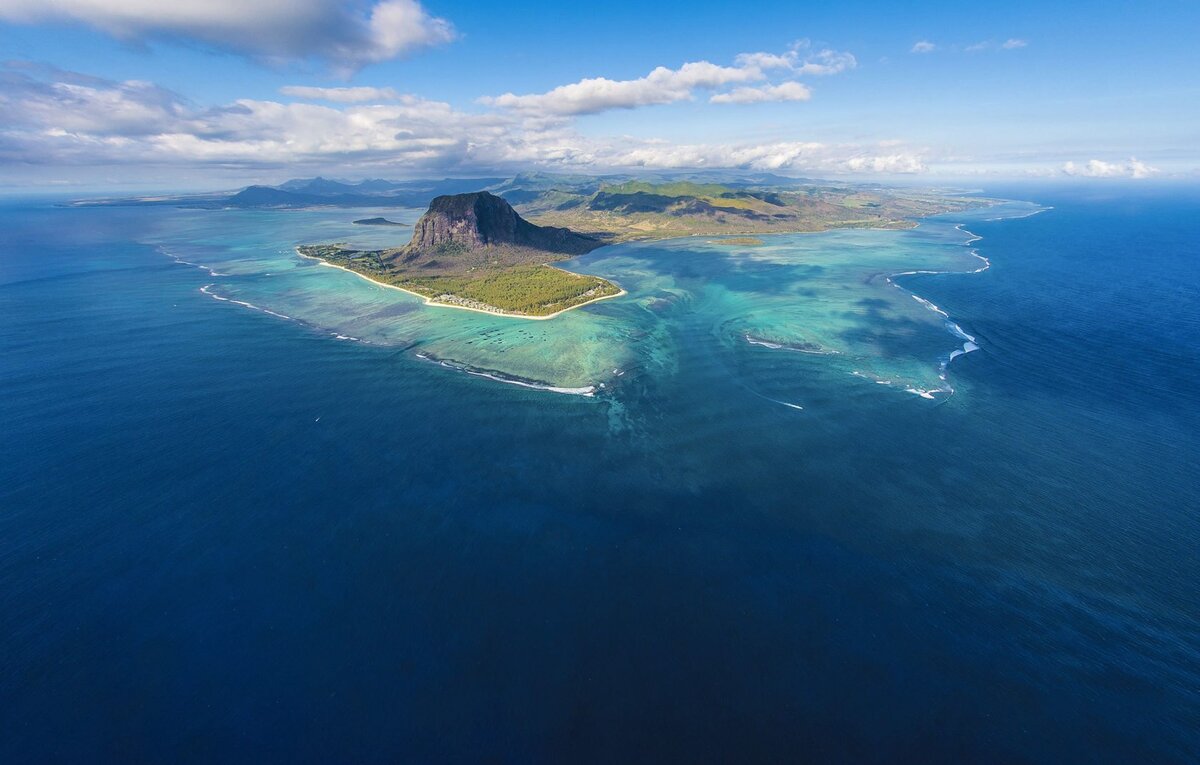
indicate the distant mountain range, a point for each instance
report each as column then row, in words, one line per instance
column 376, row 192
column 368, row 193
column 613, row 207
column 313, row 192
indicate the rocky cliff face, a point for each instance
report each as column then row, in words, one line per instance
column 481, row 219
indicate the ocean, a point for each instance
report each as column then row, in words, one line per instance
column 768, row 507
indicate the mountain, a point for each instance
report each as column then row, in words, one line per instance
column 384, row 190
column 269, row 196
column 481, row 219
column 310, row 192
column 323, row 192
column 266, row 196
column 613, row 207
column 325, row 187
column 474, row 251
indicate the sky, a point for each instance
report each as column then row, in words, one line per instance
column 219, row 93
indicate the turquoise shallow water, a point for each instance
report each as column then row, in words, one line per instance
column 825, row 294
column 231, row 536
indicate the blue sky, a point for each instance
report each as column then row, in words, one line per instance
column 139, row 92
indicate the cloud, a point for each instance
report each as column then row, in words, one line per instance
column 70, row 104
column 886, row 164
column 59, row 119
column 924, row 46
column 348, row 36
column 785, row 91
column 800, row 59
column 1011, row 43
column 136, row 123
column 766, row 61
column 598, row 94
column 664, row 86
column 341, row 95
column 826, row 62
column 1096, row 168
column 801, row 156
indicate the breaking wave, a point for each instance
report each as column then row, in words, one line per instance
column 491, row 374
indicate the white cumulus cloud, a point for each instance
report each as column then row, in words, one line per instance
column 886, row 164
column 923, row 46
column 54, row 118
column 826, row 62
column 784, row 91
column 598, row 94
column 801, row 59
column 664, row 85
column 346, row 35
column 1096, row 168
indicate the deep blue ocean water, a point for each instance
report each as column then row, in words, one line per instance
column 230, row 537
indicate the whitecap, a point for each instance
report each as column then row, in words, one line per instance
column 958, row 331
column 586, row 390
column 922, row 392
column 763, row 343
column 930, row 306
column 205, row 289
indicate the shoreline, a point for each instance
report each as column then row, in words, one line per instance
column 431, row 302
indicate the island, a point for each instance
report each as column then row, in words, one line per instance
column 473, row 251
column 377, row 222
column 492, row 250
column 613, row 208
column 489, row 244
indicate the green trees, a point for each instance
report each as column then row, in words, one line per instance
column 529, row 289
column 532, row 290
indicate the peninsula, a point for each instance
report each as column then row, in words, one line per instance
column 474, row 251
column 617, row 210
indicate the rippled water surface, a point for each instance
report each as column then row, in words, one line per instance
column 825, row 294
column 255, row 508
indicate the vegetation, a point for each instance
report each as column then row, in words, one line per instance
column 474, row 250
column 527, row 289
column 670, row 189
column 635, row 209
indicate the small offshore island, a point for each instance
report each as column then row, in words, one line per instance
column 377, row 222
column 473, row 251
